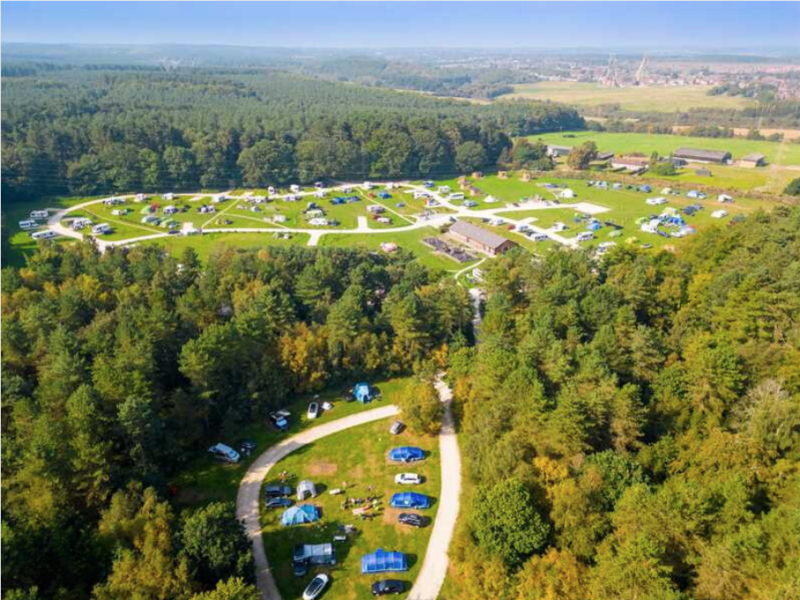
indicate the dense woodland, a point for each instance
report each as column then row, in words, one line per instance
column 632, row 428
column 86, row 131
column 117, row 370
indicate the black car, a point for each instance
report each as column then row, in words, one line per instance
column 279, row 502
column 387, row 586
column 412, row 519
column 246, row 446
column 277, row 491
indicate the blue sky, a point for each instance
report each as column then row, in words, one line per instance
column 409, row 24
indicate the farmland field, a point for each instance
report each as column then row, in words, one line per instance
column 658, row 99
column 356, row 457
column 623, row 143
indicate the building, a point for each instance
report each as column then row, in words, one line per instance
column 605, row 156
column 751, row 161
column 556, row 151
column 480, row 239
column 719, row 157
column 630, row 163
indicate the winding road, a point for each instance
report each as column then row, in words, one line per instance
column 434, row 566
column 54, row 222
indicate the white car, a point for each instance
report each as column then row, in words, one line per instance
column 316, row 587
column 313, row 411
column 407, row 479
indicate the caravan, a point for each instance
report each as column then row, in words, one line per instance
column 28, row 224
column 39, row 214
column 43, row 235
column 101, row 228
column 585, row 236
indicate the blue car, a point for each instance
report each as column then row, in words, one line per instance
column 410, row 500
column 406, row 454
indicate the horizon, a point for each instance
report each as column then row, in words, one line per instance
column 485, row 26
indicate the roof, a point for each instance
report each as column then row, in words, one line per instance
column 473, row 232
column 756, row 157
column 561, row 148
column 637, row 161
column 701, row 154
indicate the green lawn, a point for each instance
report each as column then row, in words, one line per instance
column 356, row 457
column 624, row 143
column 206, row 480
column 406, row 240
column 205, row 245
column 657, row 99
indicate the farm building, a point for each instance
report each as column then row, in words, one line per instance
column 630, row 163
column 719, row 157
column 480, row 239
column 362, row 393
column 556, row 151
column 381, row 561
column 306, row 489
column 297, row 515
column 751, row 161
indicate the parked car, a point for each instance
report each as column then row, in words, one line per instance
column 224, row 453
column 313, row 410
column 315, row 588
column 276, row 491
column 407, row 479
column 387, row 586
column 412, row 519
column 246, row 446
column 279, row 502
column 375, row 392
column 279, row 420
column 397, row 427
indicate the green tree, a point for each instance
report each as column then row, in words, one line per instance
column 580, row 156
column 504, row 521
column 421, row 408
column 470, row 156
column 231, row 589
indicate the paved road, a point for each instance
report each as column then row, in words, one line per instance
column 434, row 567
column 437, row 220
column 247, row 500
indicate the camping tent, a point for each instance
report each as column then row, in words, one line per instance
column 306, row 489
column 380, row 562
column 406, row 454
column 361, row 392
column 297, row 515
column 410, row 500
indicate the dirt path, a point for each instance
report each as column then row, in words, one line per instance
column 434, row 566
column 249, row 496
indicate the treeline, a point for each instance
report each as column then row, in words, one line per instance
column 88, row 132
column 709, row 131
column 632, row 428
column 118, row 369
column 772, row 114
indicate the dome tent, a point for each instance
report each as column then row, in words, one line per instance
column 306, row 489
column 297, row 515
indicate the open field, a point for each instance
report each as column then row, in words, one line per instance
column 206, row 480
column 357, row 457
column 624, row 143
column 209, row 243
column 658, row 99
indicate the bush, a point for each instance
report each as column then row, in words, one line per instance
column 793, row 189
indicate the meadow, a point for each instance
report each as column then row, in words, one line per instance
column 625, row 143
column 644, row 99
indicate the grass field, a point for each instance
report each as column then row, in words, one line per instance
column 206, row 480
column 356, row 457
column 657, row 99
column 624, row 143
column 209, row 243
column 406, row 240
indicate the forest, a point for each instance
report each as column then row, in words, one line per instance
column 93, row 129
column 118, row 370
column 632, row 428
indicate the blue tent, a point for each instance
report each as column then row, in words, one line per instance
column 410, row 500
column 385, row 195
column 381, row 562
column 297, row 515
column 594, row 226
column 361, row 392
column 646, row 188
column 406, row 454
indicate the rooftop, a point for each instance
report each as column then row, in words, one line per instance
column 473, row 232
column 754, row 157
column 700, row 153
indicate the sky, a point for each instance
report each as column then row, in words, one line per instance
column 666, row 25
